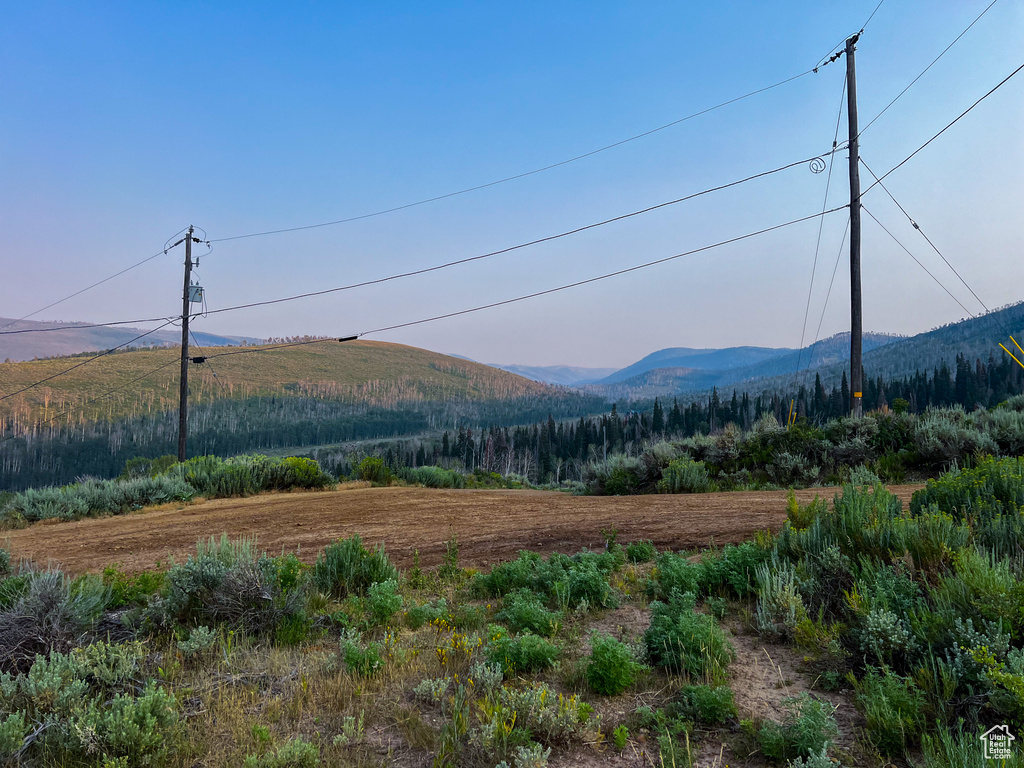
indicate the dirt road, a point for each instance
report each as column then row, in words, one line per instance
column 490, row 525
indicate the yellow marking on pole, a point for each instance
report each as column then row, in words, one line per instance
column 858, row 394
column 789, row 416
column 1012, row 355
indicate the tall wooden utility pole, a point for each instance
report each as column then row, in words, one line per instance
column 856, row 316
column 183, row 384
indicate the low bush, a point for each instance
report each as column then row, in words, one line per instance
column 707, row 704
column 808, row 727
column 523, row 611
column 93, row 498
column 229, row 582
column 295, row 753
column 685, row 476
column 87, row 703
column 433, row 477
column 52, row 614
column 894, row 710
column 520, row 654
column 347, row 568
column 640, row 551
column 613, row 666
column 384, row 600
column 682, row 640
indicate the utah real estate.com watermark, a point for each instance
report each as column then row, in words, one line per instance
column 997, row 742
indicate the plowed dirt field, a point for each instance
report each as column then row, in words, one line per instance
column 490, row 525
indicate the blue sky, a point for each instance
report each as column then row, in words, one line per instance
column 124, row 122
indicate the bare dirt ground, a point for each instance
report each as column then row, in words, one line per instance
column 490, row 525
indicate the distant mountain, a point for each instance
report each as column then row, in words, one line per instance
column 72, row 338
column 700, row 359
column 565, row 375
column 710, row 368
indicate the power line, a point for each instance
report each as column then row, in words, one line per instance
column 282, row 346
column 872, row 15
column 918, row 262
column 828, row 295
column 76, row 326
column 454, row 263
column 927, row 239
column 519, row 246
column 518, row 175
column 821, row 225
column 492, row 305
column 85, row 362
column 604, row 276
column 948, row 126
column 87, row 288
column 923, row 71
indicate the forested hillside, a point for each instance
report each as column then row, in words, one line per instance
column 299, row 396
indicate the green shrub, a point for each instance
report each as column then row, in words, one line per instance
column 384, row 600
column 807, row 727
column 422, row 613
column 200, row 640
column 360, row 659
column 86, row 702
column 295, row 753
column 640, row 551
column 51, row 614
column 521, row 654
column 346, row 568
column 5, row 563
column 732, row 569
column 523, row 611
column 674, row 573
column 612, row 667
column 894, row 710
column 685, row 475
column 433, row 477
column 229, row 582
column 131, row 589
column 619, row 476
column 992, row 487
column 372, row 469
column 13, row 730
column 707, row 704
column 92, row 498
column 683, row 640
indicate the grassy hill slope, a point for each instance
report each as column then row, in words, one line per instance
column 371, row 373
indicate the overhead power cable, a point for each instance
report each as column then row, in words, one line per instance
column 923, row 71
column 519, row 246
column 82, row 326
column 607, row 275
column 946, row 128
column 918, row 262
column 821, row 225
column 828, row 295
column 448, row 264
column 916, row 226
column 84, row 362
column 163, row 252
column 865, row 26
column 536, row 294
column 83, row 290
column 518, row 175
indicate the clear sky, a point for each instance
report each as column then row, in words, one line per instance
column 124, row 122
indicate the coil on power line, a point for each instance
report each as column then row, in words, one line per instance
column 817, row 165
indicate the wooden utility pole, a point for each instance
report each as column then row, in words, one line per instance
column 183, row 384
column 856, row 316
